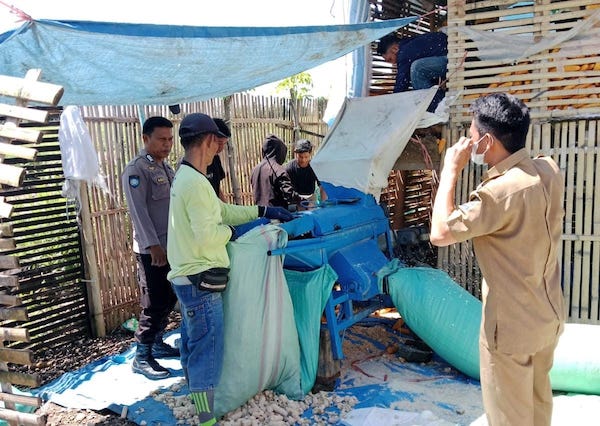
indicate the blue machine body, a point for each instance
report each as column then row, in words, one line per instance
column 352, row 234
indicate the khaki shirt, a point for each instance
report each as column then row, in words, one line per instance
column 147, row 184
column 515, row 218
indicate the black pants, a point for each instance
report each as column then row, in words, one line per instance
column 157, row 299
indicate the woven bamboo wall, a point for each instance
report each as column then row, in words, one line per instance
column 116, row 133
column 558, row 82
column 575, row 146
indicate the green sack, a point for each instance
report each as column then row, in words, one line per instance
column 447, row 318
column 310, row 291
column 439, row 311
column 261, row 343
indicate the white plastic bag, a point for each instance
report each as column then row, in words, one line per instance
column 78, row 156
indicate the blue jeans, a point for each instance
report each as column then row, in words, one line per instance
column 201, row 343
column 427, row 72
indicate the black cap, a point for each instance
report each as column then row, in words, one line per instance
column 223, row 128
column 303, row 145
column 197, row 123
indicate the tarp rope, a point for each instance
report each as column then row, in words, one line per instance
column 16, row 11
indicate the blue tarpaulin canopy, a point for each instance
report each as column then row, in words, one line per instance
column 102, row 63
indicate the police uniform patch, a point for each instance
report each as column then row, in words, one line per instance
column 134, row 181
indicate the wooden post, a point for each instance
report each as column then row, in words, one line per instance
column 295, row 104
column 235, row 182
column 328, row 369
column 91, row 265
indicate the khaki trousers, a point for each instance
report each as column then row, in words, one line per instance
column 516, row 387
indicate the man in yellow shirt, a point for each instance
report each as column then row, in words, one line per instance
column 200, row 226
column 515, row 218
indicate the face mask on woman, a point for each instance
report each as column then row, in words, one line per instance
column 478, row 158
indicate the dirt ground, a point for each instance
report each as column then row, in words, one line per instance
column 53, row 363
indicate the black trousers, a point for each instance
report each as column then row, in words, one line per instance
column 157, row 299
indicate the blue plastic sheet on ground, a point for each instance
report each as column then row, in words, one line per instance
column 108, row 383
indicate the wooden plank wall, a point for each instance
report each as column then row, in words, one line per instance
column 555, row 83
column 575, row 146
column 116, row 134
column 24, row 310
column 46, row 234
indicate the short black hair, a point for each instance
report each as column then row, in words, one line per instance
column 153, row 122
column 188, row 141
column 505, row 117
column 223, row 127
column 385, row 42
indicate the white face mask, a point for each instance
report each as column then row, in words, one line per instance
column 478, row 158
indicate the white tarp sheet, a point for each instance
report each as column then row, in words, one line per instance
column 495, row 45
column 368, row 136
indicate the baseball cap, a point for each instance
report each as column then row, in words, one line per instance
column 303, row 145
column 223, row 127
column 197, row 123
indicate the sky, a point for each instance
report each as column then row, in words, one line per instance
column 233, row 13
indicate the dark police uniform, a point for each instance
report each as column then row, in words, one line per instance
column 147, row 185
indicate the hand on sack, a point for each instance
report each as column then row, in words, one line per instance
column 278, row 213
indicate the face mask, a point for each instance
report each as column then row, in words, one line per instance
column 478, row 158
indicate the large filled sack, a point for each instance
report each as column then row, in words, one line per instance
column 262, row 350
column 447, row 318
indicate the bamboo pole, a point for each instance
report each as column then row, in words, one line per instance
column 235, row 183
column 91, row 266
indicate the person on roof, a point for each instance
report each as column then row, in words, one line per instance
column 271, row 184
column 421, row 61
column 301, row 173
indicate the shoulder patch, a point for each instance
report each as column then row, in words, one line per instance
column 134, row 181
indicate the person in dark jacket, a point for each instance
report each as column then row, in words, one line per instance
column 301, row 174
column 271, row 184
column 421, row 61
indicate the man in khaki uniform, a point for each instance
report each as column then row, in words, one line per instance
column 147, row 183
column 515, row 219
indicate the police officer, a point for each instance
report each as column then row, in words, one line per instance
column 146, row 182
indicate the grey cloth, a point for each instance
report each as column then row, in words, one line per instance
column 147, row 185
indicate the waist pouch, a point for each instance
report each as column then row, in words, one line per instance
column 214, row 279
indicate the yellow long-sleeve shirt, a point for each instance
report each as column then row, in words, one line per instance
column 198, row 229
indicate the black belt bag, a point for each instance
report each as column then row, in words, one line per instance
column 214, row 279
